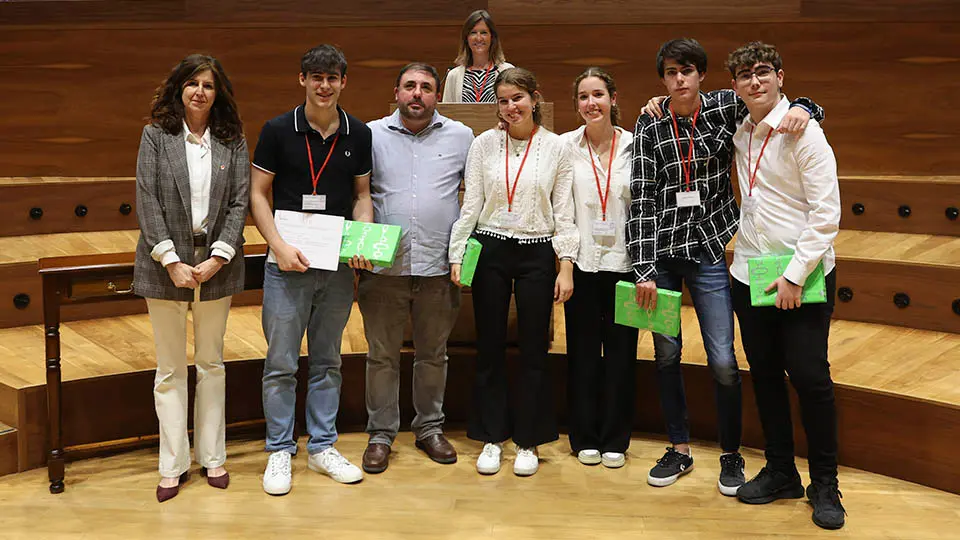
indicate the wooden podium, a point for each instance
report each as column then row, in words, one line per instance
column 482, row 116
column 479, row 117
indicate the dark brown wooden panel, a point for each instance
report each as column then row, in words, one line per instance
column 931, row 291
column 61, row 204
column 876, row 205
column 8, row 406
column 886, row 114
column 878, row 432
column 50, row 12
column 361, row 12
column 8, row 452
column 602, row 12
column 881, row 10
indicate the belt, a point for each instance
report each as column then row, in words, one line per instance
column 200, row 240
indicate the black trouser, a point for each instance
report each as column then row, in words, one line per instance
column 529, row 271
column 601, row 360
column 792, row 341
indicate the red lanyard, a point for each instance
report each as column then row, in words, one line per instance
column 316, row 178
column 688, row 162
column 604, row 197
column 753, row 174
column 478, row 91
column 506, row 142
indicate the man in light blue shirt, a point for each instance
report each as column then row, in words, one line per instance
column 418, row 162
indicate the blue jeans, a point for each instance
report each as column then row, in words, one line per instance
column 318, row 302
column 709, row 286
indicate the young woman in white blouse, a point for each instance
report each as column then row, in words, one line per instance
column 518, row 201
column 479, row 62
column 600, row 387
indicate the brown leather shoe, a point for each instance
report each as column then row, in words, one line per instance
column 219, row 482
column 376, row 458
column 167, row 493
column 438, row 448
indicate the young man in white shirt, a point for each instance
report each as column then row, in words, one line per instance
column 790, row 206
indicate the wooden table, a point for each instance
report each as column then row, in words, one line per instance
column 88, row 279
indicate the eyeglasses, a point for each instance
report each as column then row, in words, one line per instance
column 763, row 73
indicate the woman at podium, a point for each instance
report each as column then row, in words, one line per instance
column 600, row 387
column 518, row 201
column 193, row 183
column 479, row 62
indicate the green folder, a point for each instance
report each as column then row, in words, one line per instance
column 665, row 319
column 765, row 270
column 470, row 258
column 375, row 241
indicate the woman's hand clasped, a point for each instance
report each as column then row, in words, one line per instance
column 182, row 275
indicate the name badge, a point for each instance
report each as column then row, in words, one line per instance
column 510, row 220
column 604, row 229
column 748, row 205
column 314, row 202
column 688, row 198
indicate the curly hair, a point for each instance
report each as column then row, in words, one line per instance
column 752, row 54
column 167, row 110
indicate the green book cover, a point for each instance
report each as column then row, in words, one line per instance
column 665, row 319
column 470, row 258
column 375, row 241
column 765, row 270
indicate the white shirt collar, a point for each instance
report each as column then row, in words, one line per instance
column 775, row 116
column 192, row 139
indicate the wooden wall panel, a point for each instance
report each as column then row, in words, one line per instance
column 552, row 12
column 886, row 114
column 881, row 10
column 46, row 12
column 929, row 201
column 8, row 452
column 877, row 431
column 59, row 203
column 359, row 12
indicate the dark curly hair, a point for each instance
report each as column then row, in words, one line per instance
column 167, row 112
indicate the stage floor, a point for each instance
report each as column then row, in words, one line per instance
column 113, row 497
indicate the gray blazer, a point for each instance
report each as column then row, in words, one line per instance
column 163, row 211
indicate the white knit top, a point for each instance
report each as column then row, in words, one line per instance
column 543, row 201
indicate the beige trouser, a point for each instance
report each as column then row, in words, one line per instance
column 169, row 320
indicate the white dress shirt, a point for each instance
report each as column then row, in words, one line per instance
column 542, row 203
column 794, row 206
column 199, row 166
column 601, row 253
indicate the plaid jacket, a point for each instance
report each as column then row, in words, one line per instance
column 657, row 228
column 163, row 211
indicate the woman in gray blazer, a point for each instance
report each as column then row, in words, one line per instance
column 193, row 181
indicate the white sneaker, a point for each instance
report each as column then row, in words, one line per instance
column 589, row 456
column 334, row 465
column 489, row 460
column 613, row 460
column 527, row 462
column 276, row 477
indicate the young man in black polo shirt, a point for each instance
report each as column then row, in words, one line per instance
column 682, row 215
column 315, row 158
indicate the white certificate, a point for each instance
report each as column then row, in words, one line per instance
column 317, row 236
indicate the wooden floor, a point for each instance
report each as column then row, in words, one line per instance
column 113, row 497
column 862, row 354
column 869, row 245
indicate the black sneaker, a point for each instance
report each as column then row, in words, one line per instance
column 828, row 513
column 731, row 474
column 671, row 466
column 769, row 485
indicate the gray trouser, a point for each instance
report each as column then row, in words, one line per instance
column 386, row 302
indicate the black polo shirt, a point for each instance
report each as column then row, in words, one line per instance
column 282, row 151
